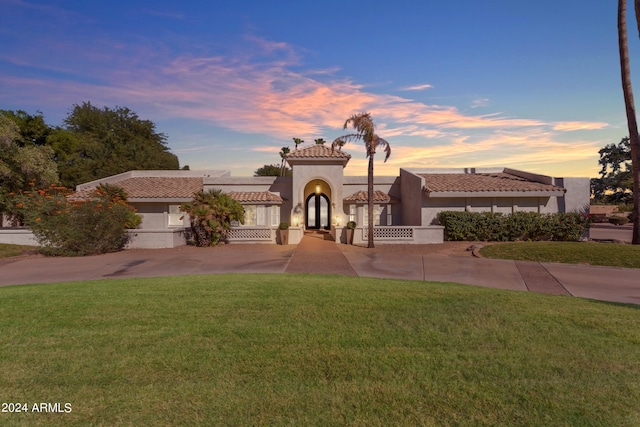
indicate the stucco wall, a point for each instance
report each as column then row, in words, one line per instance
column 431, row 207
column 154, row 215
column 577, row 195
column 421, row 235
column 153, row 239
column 387, row 184
column 411, row 197
column 329, row 176
column 504, row 205
column 17, row 236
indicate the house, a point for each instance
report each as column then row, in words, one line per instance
column 319, row 196
column 601, row 213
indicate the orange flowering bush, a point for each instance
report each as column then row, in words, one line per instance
column 72, row 224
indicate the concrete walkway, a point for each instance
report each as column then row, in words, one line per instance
column 319, row 255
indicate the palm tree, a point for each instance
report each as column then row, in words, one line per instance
column 283, row 155
column 340, row 143
column 365, row 132
column 319, row 141
column 297, row 141
column 630, row 108
column 211, row 213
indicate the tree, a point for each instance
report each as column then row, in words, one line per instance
column 283, row 155
column 365, row 132
column 615, row 184
column 271, row 170
column 94, row 143
column 319, row 141
column 112, row 141
column 297, row 141
column 33, row 129
column 210, row 214
column 22, row 167
column 627, row 91
column 68, row 148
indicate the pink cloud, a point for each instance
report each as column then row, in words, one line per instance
column 535, row 151
column 418, row 87
column 572, row 126
column 268, row 97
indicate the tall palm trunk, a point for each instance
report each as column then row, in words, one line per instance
column 630, row 108
column 372, row 151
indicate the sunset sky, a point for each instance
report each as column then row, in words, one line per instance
column 530, row 85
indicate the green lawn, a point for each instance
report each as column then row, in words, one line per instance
column 608, row 254
column 314, row 350
column 15, row 250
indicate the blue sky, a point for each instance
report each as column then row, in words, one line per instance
column 529, row 85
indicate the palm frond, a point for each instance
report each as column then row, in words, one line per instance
column 363, row 124
column 365, row 128
column 381, row 142
column 342, row 140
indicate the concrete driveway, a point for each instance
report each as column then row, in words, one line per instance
column 185, row 260
column 429, row 262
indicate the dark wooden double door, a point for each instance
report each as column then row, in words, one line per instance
column 318, row 212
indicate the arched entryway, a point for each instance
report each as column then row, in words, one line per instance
column 318, row 212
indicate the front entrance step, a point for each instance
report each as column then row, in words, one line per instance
column 319, row 234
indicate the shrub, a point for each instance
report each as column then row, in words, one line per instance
column 618, row 220
column 351, row 225
column 284, row 225
column 66, row 224
column 625, row 207
column 487, row 226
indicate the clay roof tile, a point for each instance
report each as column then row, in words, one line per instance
column 317, row 151
column 481, row 182
column 249, row 197
column 363, row 197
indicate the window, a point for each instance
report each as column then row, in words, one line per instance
column 389, row 216
column 352, row 213
column 261, row 215
column 255, row 215
column 250, row 215
column 275, row 216
column 376, row 215
column 174, row 216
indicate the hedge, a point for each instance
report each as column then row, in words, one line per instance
column 618, row 220
column 487, row 226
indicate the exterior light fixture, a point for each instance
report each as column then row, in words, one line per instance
column 337, row 220
column 318, row 188
column 296, row 220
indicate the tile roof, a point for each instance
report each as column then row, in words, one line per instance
column 255, row 197
column 160, row 187
column 363, row 197
column 480, row 182
column 317, row 151
column 603, row 209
